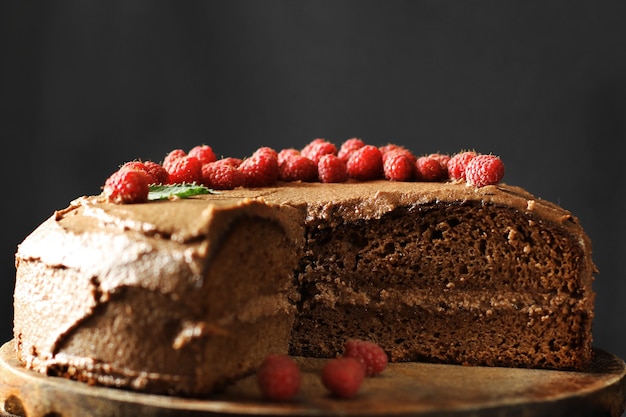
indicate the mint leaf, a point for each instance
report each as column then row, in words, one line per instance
column 164, row 192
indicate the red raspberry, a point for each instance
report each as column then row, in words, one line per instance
column 285, row 154
column 260, row 169
column 158, row 173
column 134, row 165
column 173, row 156
column 230, row 161
column 348, row 147
column 141, row 167
column 366, row 164
column 442, row 158
column 391, row 149
column 298, row 168
column 184, row 170
column 317, row 148
column 430, row 169
column 397, row 166
column 266, row 150
column 343, row 376
column 371, row 355
column 484, row 170
column 331, row 168
column 222, row 176
column 458, row 163
column 204, row 153
column 279, row 378
column 127, row 186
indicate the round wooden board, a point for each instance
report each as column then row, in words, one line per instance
column 405, row 389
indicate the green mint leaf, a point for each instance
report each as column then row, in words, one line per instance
column 164, row 192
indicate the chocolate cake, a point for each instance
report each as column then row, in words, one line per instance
column 182, row 296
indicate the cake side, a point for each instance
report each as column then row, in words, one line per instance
column 126, row 304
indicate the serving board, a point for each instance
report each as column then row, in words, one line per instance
column 403, row 389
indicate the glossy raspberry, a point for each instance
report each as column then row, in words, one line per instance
column 484, row 170
column 348, row 147
column 366, row 164
column 369, row 354
column 458, row 164
column 343, row 376
column 186, row 169
column 317, row 148
column 157, row 172
column 331, row 168
column 298, row 168
column 260, row 169
column 127, row 186
column 204, row 154
column 172, row 156
column 222, row 176
column 398, row 166
column 279, row 378
column 430, row 169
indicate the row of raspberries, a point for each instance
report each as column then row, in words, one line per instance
column 320, row 160
column 279, row 377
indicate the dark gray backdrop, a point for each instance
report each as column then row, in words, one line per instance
column 88, row 85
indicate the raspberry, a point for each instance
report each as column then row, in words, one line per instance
column 173, row 156
column 331, row 168
column 138, row 166
column 260, row 169
column 366, row 163
column 266, row 150
column 134, row 165
column 185, row 170
column 370, row 355
column 397, row 166
column 442, row 158
column 222, row 176
column 204, row 153
column 348, row 147
column 484, row 170
column 298, row 168
column 317, row 148
column 127, row 186
column 343, row 376
column 458, row 163
column 279, row 378
column 285, row 154
column 430, row 169
column 158, row 173
column 230, row 161
column 391, row 149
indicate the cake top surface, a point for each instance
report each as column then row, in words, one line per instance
column 189, row 218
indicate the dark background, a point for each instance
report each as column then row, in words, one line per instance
column 86, row 86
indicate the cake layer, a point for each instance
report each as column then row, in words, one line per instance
column 495, row 328
column 182, row 296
